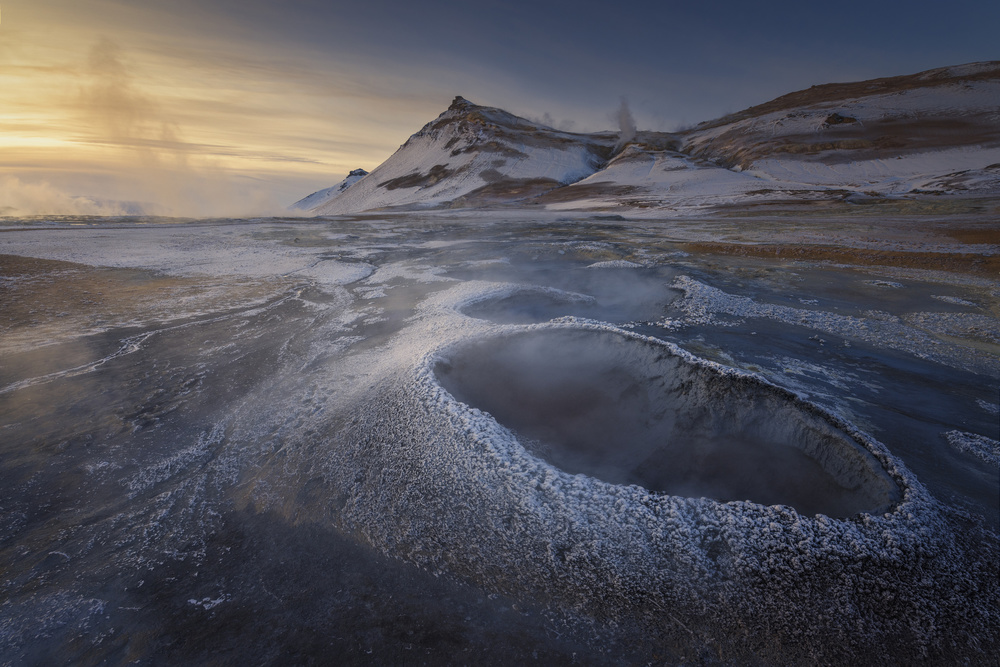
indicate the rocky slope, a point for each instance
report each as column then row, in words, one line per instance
column 936, row 131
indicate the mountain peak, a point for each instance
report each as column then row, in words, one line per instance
column 461, row 104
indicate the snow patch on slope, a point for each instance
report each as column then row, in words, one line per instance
column 662, row 179
column 895, row 175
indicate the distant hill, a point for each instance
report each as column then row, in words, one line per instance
column 936, row 132
column 317, row 199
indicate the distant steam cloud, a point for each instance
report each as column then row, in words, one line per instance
column 21, row 199
column 626, row 124
column 547, row 119
column 157, row 164
column 117, row 110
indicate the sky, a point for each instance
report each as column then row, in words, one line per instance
column 240, row 107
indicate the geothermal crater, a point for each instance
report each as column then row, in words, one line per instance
column 628, row 410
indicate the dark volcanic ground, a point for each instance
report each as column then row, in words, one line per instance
column 224, row 442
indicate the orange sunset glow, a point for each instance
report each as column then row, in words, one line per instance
column 129, row 105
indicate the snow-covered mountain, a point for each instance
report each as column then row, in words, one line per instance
column 936, row 132
column 472, row 155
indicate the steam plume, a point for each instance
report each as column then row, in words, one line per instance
column 626, row 124
column 161, row 165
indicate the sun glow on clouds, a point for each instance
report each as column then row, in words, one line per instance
column 116, row 98
column 197, row 127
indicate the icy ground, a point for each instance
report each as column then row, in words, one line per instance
column 457, row 439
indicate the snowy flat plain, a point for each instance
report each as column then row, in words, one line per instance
column 455, row 438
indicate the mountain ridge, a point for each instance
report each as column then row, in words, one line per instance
column 933, row 132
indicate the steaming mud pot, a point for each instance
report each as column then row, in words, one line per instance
column 566, row 490
column 633, row 411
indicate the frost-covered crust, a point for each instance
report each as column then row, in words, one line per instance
column 976, row 445
column 703, row 302
column 445, row 486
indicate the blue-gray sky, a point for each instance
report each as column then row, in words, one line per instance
column 115, row 97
